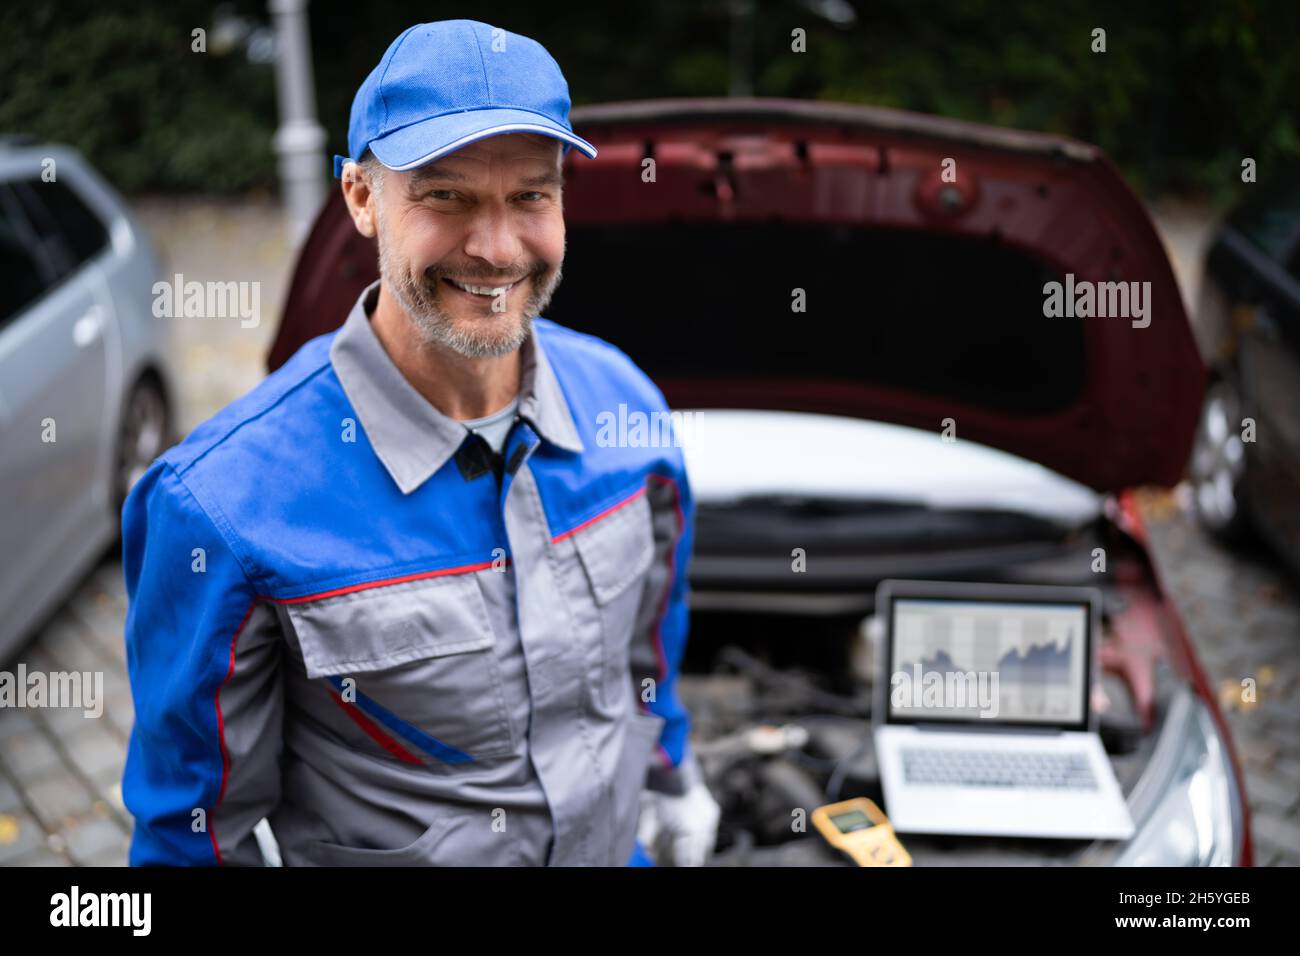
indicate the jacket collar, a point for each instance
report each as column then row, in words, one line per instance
column 410, row 436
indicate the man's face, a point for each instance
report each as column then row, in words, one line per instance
column 489, row 216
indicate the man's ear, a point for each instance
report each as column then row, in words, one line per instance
column 361, row 199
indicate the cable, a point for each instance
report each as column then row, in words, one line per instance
column 836, row 782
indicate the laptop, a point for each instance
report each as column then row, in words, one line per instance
column 985, row 724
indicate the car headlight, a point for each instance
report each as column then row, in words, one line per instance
column 1186, row 806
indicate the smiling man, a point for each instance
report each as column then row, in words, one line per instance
column 398, row 599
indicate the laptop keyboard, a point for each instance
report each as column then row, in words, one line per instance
column 999, row 768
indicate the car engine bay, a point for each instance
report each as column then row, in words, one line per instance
column 781, row 711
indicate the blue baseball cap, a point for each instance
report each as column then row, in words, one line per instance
column 444, row 85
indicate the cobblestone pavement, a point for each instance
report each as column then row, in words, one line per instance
column 60, row 773
column 1243, row 615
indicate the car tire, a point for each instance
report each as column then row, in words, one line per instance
column 143, row 435
column 1217, row 470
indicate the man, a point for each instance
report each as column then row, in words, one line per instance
column 399, row 600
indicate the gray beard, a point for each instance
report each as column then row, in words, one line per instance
column 436, row 327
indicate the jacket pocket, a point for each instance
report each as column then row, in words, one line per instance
column 418, row 662
column 423, row 852
column 639, row 742
column 461, row 835
column 615, row 553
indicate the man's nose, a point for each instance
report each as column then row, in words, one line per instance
column 492, row 238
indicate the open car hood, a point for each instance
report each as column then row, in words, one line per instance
column 923, row 298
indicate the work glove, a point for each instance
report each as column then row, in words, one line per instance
column 680, row 828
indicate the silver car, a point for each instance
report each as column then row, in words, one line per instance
column 85, row 383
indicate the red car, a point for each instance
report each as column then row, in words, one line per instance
column 861, row 301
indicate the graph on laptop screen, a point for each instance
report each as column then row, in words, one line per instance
column 945, row 653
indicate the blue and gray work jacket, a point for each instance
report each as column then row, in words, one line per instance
column 347, row 617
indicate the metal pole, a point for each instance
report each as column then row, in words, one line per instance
column 742, row 48
column 300, row 141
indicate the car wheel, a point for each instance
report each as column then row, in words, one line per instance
column 142, row 436
column 1218, row 465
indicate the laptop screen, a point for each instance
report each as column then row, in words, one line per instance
column 979, row 660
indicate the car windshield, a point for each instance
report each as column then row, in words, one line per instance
column 1270, row 221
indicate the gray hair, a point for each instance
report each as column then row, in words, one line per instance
column 374, row 170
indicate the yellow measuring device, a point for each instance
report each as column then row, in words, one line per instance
column 859, row 828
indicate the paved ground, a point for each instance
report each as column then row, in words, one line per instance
column 1243, row 615
column 60, row 772
column 60, row 796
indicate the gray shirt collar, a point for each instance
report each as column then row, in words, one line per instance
column 411, row 437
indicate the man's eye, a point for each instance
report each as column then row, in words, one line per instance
column 442, row 194
column 532, row 196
